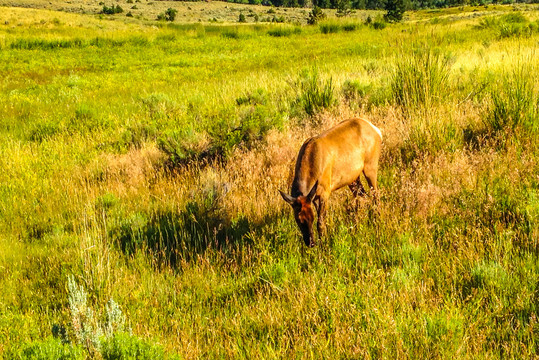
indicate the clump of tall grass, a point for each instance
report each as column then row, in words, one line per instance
column 515, row 102
column 284, row 31
column 329, row 27
column 420, row 79
column 509, row 25
column 314, row 93
column 332, row 26
column 419, row 83
column 429, row 133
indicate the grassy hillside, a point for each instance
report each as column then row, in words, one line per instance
column 141, row 162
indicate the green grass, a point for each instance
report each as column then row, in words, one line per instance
column 142, row 161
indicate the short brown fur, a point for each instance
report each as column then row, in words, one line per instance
column 326, row 163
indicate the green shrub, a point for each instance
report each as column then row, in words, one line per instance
column 112, row 10
column 242, row 18
column 181, row 146
column 111, row 339
column 252, row 127
column 168, row 15
column 126, row 346
column 50, row 348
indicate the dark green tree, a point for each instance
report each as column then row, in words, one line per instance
column 315, row 15
column 170, row 14
column 395, row 10
column 343, row 8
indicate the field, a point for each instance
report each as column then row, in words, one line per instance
column 141, row 161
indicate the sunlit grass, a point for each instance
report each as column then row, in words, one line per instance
column 107, row 130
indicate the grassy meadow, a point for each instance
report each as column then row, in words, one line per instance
column 141, row 162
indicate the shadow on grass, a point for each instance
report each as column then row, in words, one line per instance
column 175, row 236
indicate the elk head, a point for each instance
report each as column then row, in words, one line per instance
column 303, row 213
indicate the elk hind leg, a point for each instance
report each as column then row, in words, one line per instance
column 371, row 173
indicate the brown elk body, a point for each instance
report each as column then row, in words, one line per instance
column 328, row 162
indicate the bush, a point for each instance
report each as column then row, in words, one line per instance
column 253, row 126
column 109, row 340
column 112, row 10
column 242, row 18
column 181, row 147
column 127, row 346
column 168, row 15
column 50, row 348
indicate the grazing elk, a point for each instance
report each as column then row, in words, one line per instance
column 329, row 161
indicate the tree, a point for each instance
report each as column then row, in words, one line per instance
column 170, row 14
column 343, row 8
column 315, row 15
column 395, row 10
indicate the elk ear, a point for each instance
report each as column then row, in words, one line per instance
column 312, row 193
column 289, row 199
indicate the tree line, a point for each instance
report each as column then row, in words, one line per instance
column 376, row 4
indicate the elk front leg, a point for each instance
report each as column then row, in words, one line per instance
column 358, row 191
column 321, row 210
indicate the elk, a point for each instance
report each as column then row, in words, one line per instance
column 328, row 162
